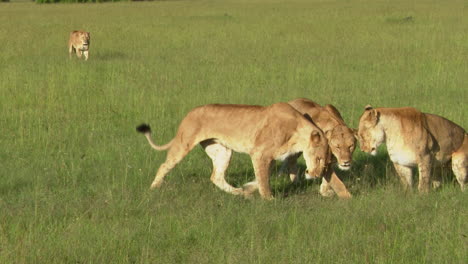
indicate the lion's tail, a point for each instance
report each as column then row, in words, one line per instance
column 146, row 130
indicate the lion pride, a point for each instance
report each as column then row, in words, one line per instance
column 415, row 139
column 265, row 133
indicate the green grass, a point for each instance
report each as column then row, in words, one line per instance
column 74, row 174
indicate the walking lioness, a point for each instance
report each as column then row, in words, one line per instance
column 341, row 140
column 415, row 139
column 265, row 133
column 79, row 43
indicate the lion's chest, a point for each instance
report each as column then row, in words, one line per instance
column 402, row 156
column 285, row 155
column 81, row 46
column 84, row 47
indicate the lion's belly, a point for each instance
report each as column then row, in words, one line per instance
column 284, row 156
column 237, row 146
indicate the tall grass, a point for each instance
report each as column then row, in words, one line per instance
column 74, row 175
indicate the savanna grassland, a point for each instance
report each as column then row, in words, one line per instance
column 75, row 176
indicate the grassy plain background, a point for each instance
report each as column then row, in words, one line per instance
column 74, row 175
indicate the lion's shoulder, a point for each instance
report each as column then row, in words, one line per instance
column 79, row 35
column 304, row 104
column 325, row 117
column 334, row 113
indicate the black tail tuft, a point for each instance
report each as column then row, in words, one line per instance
column 144, row 128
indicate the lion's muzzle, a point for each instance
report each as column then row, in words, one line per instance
column 346, row 165
column 312, row 175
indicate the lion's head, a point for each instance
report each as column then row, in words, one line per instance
column 85, row 39
column 316, row 156
column 370, row 133
column 342, row 143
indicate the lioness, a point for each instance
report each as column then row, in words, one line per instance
column 341, row 140
column 415, row 139
column 265, row 133
column 79, row 43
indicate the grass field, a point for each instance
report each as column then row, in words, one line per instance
column 75, row 176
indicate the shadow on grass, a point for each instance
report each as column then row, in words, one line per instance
column 400, row 20
column 219, row 17
column 370, row 170
column 14, row 187
column 110, row 55
column 368, row 173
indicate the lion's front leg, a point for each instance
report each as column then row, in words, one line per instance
column 79, row 53
column 86, row 53
column 424, row 174
column 331, row 184
column 262, row 169
column 406, row 176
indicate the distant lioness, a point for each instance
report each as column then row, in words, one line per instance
column 79, row 43
column 415, row 139
column 265, row 133
column 341, row 139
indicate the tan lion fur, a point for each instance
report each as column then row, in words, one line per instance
column 341, row 141
column 415, row 139
column 265, row 133
column 78, row 43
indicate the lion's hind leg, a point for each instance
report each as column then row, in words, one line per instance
column 220, row 156
column 425, row 169
column 176, row 153
column 460, row 168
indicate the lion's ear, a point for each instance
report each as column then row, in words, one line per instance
column 315, row 137
column 374, row 115
column 368, row 107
